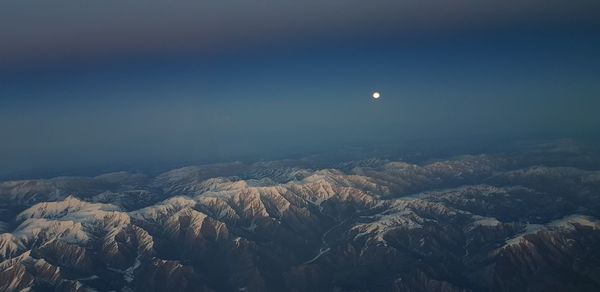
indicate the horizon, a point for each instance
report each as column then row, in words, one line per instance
column 258, row 80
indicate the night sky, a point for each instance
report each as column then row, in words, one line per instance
column 85, row 84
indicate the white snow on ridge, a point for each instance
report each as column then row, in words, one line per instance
column 69, row 231
column 385, row 222
column 570, row 221
column 67, row 220
column 163, row 209
column 566, row 223
column 486, row 221
column 66, row 209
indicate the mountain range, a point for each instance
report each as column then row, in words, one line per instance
column 524, row 220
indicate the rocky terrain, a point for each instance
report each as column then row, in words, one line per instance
column 519, row 221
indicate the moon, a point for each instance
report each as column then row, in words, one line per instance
column 376, row 95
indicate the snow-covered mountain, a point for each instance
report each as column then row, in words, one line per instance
column 469, row 223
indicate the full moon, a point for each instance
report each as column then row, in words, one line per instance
column 376, row 95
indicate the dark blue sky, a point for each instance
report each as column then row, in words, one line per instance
column 130, row 82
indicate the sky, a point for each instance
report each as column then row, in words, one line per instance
column 110, row 83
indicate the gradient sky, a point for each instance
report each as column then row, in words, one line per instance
column 125, row 82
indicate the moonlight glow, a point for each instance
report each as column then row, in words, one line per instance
column 376, row 95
